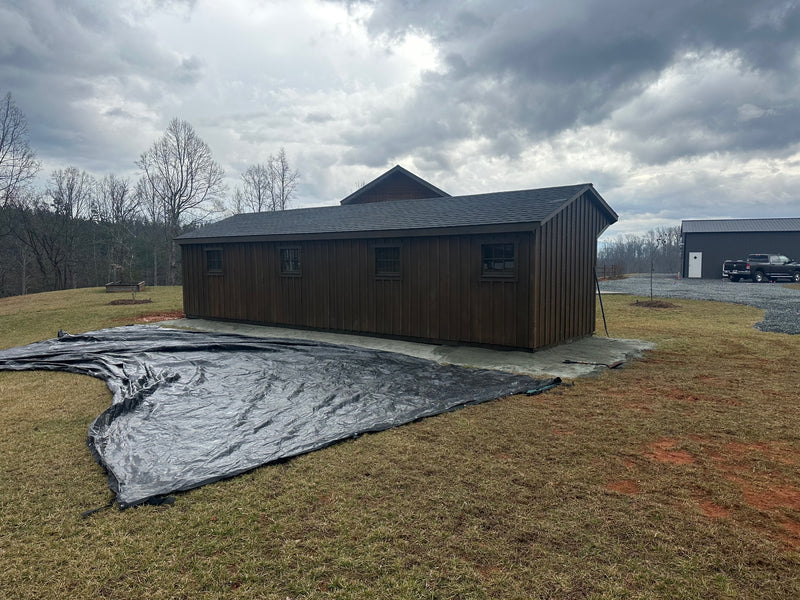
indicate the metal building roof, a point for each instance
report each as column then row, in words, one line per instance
column 740, row 225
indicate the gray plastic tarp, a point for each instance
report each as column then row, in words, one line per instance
column 190, row 408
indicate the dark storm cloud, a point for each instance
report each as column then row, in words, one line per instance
column 658, row 103
column 525, row 71
column 712, row 130
column 69, row 37
column 65, row 61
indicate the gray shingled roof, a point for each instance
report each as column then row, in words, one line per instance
column 499, row 208
column 740, row 225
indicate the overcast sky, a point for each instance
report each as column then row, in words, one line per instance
column 678, row 109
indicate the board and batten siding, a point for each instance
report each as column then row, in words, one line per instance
column 563, row 286
column 439, row 295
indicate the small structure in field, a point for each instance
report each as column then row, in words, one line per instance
column 511, row 269
column 121, row 286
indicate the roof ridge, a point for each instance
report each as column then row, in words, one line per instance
column 502, row 209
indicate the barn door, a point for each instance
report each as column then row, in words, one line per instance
column 695, row 264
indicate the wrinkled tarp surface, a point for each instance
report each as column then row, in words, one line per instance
column 190, row 407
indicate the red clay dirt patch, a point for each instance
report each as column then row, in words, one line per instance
column 762, row 488
column 663, row 451
column 792, row 537
column 713, row 510
column 762, row 492
column 624, row 486
column 737, row 450
column 771, row 497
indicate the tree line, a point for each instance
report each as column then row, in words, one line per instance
column 80, row 230
column 659, row 249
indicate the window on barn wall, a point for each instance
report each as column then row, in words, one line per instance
column 387, row 261
column 290, row 262
column 214, row 261
column 498, row 261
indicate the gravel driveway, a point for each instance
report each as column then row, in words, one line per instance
column 782, row 304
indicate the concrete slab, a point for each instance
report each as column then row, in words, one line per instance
column 581, row 358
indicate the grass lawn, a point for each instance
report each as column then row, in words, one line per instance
column 677, row 476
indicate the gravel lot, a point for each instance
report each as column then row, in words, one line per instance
column 782, row 304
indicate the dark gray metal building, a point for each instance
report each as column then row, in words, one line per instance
column 708, row 243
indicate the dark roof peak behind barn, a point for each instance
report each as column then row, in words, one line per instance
column 502, row 211
column 396, row 184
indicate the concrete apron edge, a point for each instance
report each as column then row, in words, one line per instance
column 584, row 357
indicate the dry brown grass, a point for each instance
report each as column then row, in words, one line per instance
column 26, row 319
column 674, row 477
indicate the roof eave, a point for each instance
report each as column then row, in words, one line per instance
column 377, row 234
column 612, row 216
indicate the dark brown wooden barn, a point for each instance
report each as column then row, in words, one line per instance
column 512, row 269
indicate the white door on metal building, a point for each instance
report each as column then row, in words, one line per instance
column 695, row 264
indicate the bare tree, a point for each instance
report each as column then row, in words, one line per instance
column 52, row 227
column 659, row 249
column 284, row 180
column 18, row 164
column 181, row 177
column 115, row 208
column 16, row 258
column 71, row 193
column 153, row 211
column 115, row 202
column 149, row 204
column 256, row 193
column 268, row 186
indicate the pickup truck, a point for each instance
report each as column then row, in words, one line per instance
column 761, row 268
